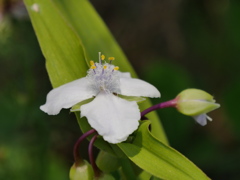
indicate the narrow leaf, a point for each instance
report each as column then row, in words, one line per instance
column 60, row 45
column 159, row 159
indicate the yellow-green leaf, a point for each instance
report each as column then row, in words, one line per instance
column 159, row 159
column 61, row 46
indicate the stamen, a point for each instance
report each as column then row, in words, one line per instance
column 104, row 67
column 91, row 63
column 111, row 59
column 103, row 74
column 102, row 57
column 116, row 68
column 93, row 67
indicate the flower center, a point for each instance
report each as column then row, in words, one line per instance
column 104, row 76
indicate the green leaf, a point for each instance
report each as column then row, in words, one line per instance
column 127, row 169
column 61, row 46
column 77, row 106
column 144, row 176
column 159, row 159
column 132, row 98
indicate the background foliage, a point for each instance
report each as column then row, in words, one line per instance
column 172, row 44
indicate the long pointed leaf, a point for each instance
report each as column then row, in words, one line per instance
column 59, row 43
column 159, row 159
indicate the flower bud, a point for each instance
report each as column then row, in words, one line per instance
column 105, row 177
column 83, row 171
column 107, row 162
column 196, row 103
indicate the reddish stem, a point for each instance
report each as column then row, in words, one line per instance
column 77, row 157
column 171, row 103
column 96, row 170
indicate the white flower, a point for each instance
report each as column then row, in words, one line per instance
column 112, row 117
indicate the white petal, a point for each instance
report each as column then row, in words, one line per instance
column 112, row 117
column 67, row 95
column 137, row 87
column 202, row 119
column 124, row 74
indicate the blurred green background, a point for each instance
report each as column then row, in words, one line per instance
column 173, row 44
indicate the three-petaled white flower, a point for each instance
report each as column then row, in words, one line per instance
column 112, row 117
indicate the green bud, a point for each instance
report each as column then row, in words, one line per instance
column 193, row 102
column 83, row 171
column 107, row 162
column 105, row 177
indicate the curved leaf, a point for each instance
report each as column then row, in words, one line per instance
column 159, row 159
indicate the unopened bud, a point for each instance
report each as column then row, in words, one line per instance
column 196, row 103
column 107, row 162
column 83, row 171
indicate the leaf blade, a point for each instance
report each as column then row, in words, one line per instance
column 60, row 45
column 159, row 159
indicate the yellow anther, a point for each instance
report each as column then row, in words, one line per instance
column 93, row 67
column 104, row 67
column 91, row 63
column 116, row 68
column 111, row 58
column 102, row 57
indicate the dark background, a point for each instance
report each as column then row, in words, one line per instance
column 173, row 44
